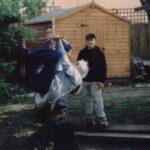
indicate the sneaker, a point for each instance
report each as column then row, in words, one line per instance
column 101, row 123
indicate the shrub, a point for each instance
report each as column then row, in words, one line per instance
column 6, row 68
column 7, row 90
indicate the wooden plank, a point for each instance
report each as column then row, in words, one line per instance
column 92, row 10
column 68, row 29
column 118, row 45
column 114, row 55
column 142, row 85
column 146, row 62
column 113, row 135
column 117, row 62
column 122, row 128
column 111, row 51
column 91, row 14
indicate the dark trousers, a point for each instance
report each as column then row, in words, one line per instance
column 40, row 81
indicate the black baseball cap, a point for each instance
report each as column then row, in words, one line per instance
column 90, row 36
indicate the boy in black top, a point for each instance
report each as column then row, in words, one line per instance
column 93, row 83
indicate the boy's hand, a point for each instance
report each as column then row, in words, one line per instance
column 100, row 85
column 56, row 37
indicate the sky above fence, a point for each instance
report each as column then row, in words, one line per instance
column 109, row 4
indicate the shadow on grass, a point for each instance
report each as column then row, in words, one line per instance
column 131, row 111
column 128, row 110
column 18, row 99
column 19, row 132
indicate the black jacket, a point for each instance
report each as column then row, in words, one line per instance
column 97, row 64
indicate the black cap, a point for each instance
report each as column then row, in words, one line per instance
column 90, row 36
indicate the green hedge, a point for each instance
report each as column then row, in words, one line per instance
column 8, row 91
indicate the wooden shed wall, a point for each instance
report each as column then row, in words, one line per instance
column 112, row 34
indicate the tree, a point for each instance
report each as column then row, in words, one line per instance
column 21, row 9
column 146, row 7
column 33, row 7
column 12, row 16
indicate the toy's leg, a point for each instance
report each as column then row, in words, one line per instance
column 40, row 82
column 49, row 56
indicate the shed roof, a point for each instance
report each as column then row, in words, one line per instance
column 62, row 13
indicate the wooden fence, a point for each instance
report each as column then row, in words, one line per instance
column 140, row 31
column 140, row 40
column 132, row 15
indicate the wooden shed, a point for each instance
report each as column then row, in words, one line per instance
column 112, row 32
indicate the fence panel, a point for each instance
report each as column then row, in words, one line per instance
column 140, row 40
column 140, row 31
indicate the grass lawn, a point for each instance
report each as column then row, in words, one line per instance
column 123, row 105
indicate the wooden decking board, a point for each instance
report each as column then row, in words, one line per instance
column 116, row 128
column 113, row 135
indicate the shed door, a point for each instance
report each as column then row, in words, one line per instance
column 93, row 26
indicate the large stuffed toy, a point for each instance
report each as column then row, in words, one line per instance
column 46, row 62
column 66, row 79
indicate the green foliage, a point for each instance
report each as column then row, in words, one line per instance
column 6, row 69
column 12, row 16
column 9, row 8
column 25, row 32
column 8, row 91
column 32, row 7
column 20, row 8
